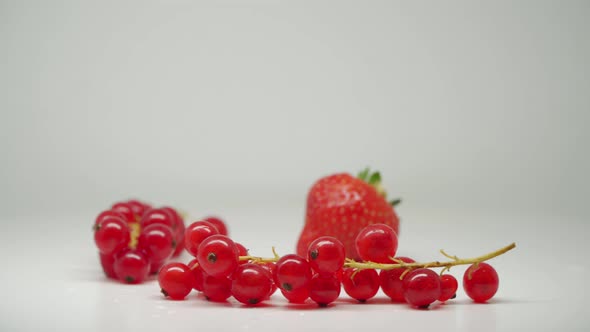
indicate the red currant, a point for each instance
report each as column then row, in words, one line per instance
column 195, row 234
column 218, row 256
column 158, row 216
column 271, row 268
column 219, row 224
column 298, row 295
column 391, row 284
column 292, row 272
column 251, row 283
column 158, row 241
column 111, row 235
column 178, row 230
column 216, row 289
column 176, row 280
column 106, row 215
column 138, row 208
column 448, row 287
column 376, row 243
column 242, row 251
column 324, row 289
column 131, row 266
column 421, row 287
column 361, row 285
column 155, row 266
column 480, row 282
column 107, row 262
column 199, row 274
column 126, row 210
column 326, row 255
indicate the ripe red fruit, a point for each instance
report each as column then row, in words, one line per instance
column 448, row 287
column 178, row 229
column 107, row 262
column 421, row 287
column 324, row 290
column 326, row 255
column 292, row 272
column 138, row 208
column 106, row 215
column 176, row 280
column 341, row 205
column 242, row 251
column 219, row 224
column 361, row 285
column 111, row 235
column 391, row 284
column 196, row 233
column 126, row 210
column 131, row 266
column 157, row 216
column 198, row 273
column 298, row 295
column 251, row 284
column 376, row 243
column 158, row 241
column 271, row 268
column 218, row 256
column 216, row 289
column 480, row 282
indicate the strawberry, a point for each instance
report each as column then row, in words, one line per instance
column 340, row 205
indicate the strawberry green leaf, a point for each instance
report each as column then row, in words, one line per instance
column 375, row 178
column 364, row 174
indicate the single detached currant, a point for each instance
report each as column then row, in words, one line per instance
column 176, row 280
column 480, row 282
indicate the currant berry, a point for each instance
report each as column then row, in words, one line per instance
column 198, row 273
column 155, row 266
column 219, row 224
column 176, row 280
column 107, row 262
column 111, row 235
column 195, row 234
column 324, row 289
column 391, row 284
column 298, row 295
column 251, row 284
column 107, row 215
column 480, row 282
column 421, row 287
column 360, row 284
column 216, row 289
column 131, row 266
column 178, row 230
column 126, row 210
column 326, row 255
column 376, row 243
column 292, row 272
column 242, row 251
column 157, row 216
column 271, row 268
column 158, row 241
column 448, row 287
column 218, row 256
column 138, row 208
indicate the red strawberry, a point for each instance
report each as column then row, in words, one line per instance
column 340, row 205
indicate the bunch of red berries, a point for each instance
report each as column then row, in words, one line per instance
column 135, row 239
column 222, row 268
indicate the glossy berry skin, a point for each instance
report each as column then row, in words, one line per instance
column 360, row 286
column 448, row 287
column 178, row 229
column 219, row 224
column 340, row 205
column 216, row 289
column 131, row 266
column 271, row 268
column 107, row 262
column 242, row 251
column 390, row 281
column 111, row 235
column 198, row 273
column 126, row 210
column 323, row 289
column 251, row 284
column 157, row 216
column 176, row 280
column 421, row 287
column 218, row 256
column 196, row 233
column 138, row 208
column 155, row 266
column 326, row 255
column 292, row 272
column 158, row 241
column 483, row 284
column 106, row 215
column 298, row 295
column 376, row 243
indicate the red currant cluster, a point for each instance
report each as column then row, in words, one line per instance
column 223, row 268
column 135, row 239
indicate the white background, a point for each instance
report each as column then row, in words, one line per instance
column 476, row 114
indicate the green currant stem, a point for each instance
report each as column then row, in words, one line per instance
column 446, row 265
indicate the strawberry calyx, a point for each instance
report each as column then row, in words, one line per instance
column 374, row 180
